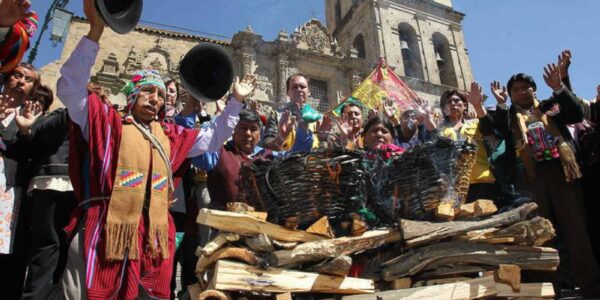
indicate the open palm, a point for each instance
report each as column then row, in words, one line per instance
column 243, row 88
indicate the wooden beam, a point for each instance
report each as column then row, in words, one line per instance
column 453, row 253
column 231, row 276
column 445, row 211
column 247, row 225
column 529, row 290
column 331, row 248
column 421, row 232
column 470, row 289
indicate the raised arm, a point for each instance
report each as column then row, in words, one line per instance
column 212, row 137
column 75, row 73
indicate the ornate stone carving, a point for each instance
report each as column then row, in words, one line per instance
column 313, row 37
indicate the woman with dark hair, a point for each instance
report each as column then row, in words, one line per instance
column 378, row 135
column 456, row 126
column 172, row 89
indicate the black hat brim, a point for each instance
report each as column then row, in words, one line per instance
column 206, row 71
column 120, row 15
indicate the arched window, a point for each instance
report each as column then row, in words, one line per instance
column 411, row 55
column 359, row 46
column 443, row 58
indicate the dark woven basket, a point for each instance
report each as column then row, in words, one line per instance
column 306, row 186
column 412, row 185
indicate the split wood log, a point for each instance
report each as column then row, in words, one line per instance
column 484, row 208
column 231, row 276
column 358, row 225
column 420, row 232
column 534, row 232
column 402, row 283
column 339, row 266
column 445, row 211
column 470, row 289
column 509, row 274
column 242, row 254
column 466, row 210
column 213, row 295
column 461, row 253
column 284, row 296
column 528, row 290
column 261, row 243
column 217, row 243
column 321, row 227
column 248, row 225
column 331, row 248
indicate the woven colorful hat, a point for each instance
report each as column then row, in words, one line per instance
column 16, row 44
column 138, row 81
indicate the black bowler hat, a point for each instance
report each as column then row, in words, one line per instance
column 206, row 71
column 120, row 15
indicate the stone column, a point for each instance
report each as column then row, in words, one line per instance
column 282, row 74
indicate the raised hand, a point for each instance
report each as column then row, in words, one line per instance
column 564, row 61
column 286, row 124
column 475, row 97
column 27, row 115
column 552, row 76
column 96, row 22
column 241, row 89
column 344, row 126
column 423, row 110
column 324, row 127
column 499, row 92
column 389, row 110
column 12, row 11
column 254, row 105
column 7, row 106
column 372, row 113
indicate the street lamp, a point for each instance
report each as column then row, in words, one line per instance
column 56, row 4
column 61, row 19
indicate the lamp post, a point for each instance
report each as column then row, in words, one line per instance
column 60, row 25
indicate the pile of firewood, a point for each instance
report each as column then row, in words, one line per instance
column 479, row 254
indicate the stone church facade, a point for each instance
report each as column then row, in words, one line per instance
column 421, row 40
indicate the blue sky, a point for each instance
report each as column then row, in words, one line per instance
column 503, row 36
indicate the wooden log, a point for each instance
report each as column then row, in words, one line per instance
column 445, row 212
column 284, row 296
column 321, row 227
column 331, row 248
column 401, row 283
column 509, row 274
column 470, row 289
column 484, row 208
column 438, row 281
column 339, row 266
column 261, row 243
column 466, row 210
column 231, row 276
column 420, row 232
column 217, row 243
column 455, row 270
column 248, row 225
column 242, row 254
column 534, row 232
column 528, row 290
column 359, row 227
column 213, row 295
column 284, row 245
column 452, row 253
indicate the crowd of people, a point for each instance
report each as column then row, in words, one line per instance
column 104, row 199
